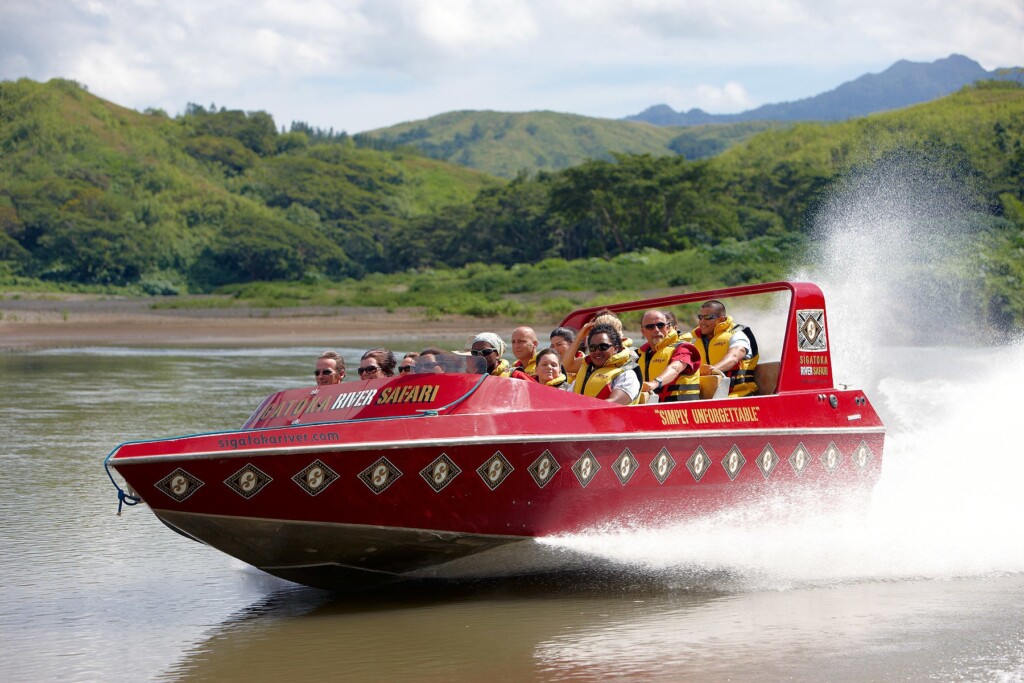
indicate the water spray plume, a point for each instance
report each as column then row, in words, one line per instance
column 892, row 241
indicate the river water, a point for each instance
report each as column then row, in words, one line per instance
column 925, row 582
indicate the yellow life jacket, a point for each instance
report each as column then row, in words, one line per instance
column 502, row 369
column 713, row 349
column 530, row 368
column 597, row 382
column 653, row 361
column 557, row 381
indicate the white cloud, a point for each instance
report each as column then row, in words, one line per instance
column 361, row 64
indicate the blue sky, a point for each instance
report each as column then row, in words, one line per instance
column 356, row 65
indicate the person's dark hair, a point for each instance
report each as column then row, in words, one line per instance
column 411, row 354
column 671, row 318
column 550, row 352
column 339, row 362
column 432, row 350
column 385, row 359
column 566, row 333
column 714, row 304
column 612, row 333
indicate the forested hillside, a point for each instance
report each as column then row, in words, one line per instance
column 93, row 193
column 507, row 144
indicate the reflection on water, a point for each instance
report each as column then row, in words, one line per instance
column 91, row 596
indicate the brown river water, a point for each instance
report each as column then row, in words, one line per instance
column 923, row 582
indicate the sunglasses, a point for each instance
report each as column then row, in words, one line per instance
column 317, row 373
column 651, row 326
column 601, row 347
column 483, row 352
column 405, row 368
column 710, row 316
column 368, row 369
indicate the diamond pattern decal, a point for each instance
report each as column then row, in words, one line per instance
column 698, row 463
column 440, row 473
column 800, row 459
column 586, row 468
column 495, row 470
column 831, row 458
column 248, row 481
column 626, row 466
column 380, row 475
column 862, row 455
column 179, row 484
column 544, row 468
column 315, row 477
column 810, row 329
column 733, row 462
column 767, row 461
column 663, row 465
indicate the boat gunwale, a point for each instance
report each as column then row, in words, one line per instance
column 117, row 461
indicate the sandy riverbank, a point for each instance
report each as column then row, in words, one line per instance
column 79, row 322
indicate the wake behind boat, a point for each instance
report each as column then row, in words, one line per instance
column 458, row 474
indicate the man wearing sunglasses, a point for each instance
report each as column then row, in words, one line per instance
column 669, row 367
column 330, row 368
column 727, row 346
column 491, row 348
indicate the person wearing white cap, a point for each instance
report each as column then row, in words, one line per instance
column 491, row 348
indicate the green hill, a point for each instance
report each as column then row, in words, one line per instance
column 505, row 144
column 96, row 193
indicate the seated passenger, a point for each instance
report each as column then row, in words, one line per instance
column 572, row 360
column 668, row 367
column 524, row 348
column 491, row 348
column 430, row 360
column 561, row 339
column 727, row 346
column 608, row 373
column 377, row 364
column 330, row 368
column 408, row 363
column 549, row 369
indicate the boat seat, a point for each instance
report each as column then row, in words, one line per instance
column 714, row 386
column 766, row 375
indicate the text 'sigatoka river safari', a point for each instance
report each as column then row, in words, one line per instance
column 453, row 475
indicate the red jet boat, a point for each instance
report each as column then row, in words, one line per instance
column 454, row 475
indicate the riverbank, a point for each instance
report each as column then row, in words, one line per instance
column 68, row 322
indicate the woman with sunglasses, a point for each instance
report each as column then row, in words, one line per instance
column 607, row 372
column 330, row 368
column 491, row 348
column 408, row 363
column 377, row 364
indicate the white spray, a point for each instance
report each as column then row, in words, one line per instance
column 950, row 500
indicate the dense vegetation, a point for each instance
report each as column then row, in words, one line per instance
column 93, row 193
column 505, row 144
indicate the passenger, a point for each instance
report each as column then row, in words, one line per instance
column 727, row 346
column 430, row 360
column 549, row 369
column 608, row 372
column 377, row 364
column 561, row 340
column 669, row 368
column 524, row 348
column 491, row 348
column 330, row 368
column 408, row 363
column 572, row 359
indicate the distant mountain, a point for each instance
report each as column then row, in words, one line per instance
column 901, row 85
